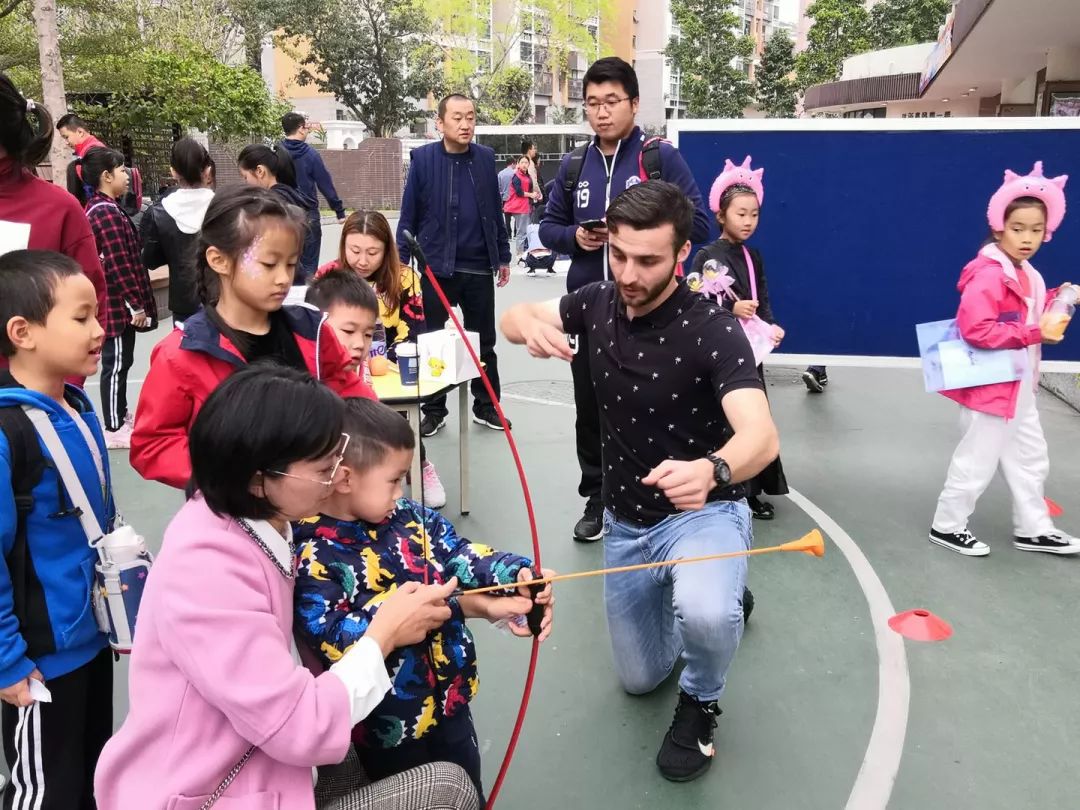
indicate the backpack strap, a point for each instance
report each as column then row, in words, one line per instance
column 573, row 168
column 27, row 466
column 649, row 167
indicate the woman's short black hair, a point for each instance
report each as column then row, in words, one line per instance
column 262, row 418
column 374, row 430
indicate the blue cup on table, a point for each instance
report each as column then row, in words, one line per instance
column 408, row 362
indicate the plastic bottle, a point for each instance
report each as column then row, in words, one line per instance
column 1061, row 311
column 377, row 361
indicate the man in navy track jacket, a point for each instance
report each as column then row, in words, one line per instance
column 453, row 207
column 613, row 163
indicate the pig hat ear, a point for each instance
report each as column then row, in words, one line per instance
column 1051, row 191
column 737, row 175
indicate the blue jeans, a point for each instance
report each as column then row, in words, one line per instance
column 309, row 256
column 693, row 611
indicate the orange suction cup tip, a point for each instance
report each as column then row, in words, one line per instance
column 1055, row 510
column 920, row 625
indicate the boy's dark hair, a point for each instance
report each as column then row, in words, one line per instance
column 261, row 419
column 452, row 97
column 26, row 143
column 28, row 280
column 277, row 161
column 526, row 146
column 292, row 121
column 189, row 160
column 71, row 121
column 612, row 69
column 94, row 163
column 650, row 205
column 374, row 430
column 342, row 287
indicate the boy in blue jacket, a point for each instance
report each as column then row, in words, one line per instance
column 368, row 542
column 618, row 158
column 48, row 632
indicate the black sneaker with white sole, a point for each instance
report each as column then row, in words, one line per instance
column 1056, row 543
column 815, row 383
column 591, row 526
column 687, row 750
column 430, row 425
column 487, row 416
column 962, row 542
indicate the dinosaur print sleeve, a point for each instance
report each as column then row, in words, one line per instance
column 474, row 564
column 337, row 595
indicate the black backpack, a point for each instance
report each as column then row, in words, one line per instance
column 28, row 464
column 649, row 167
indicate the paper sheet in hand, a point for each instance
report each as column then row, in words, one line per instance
column 39, row 691
column 13, row 236
column 949, row 362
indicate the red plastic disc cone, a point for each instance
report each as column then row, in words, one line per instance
column 1055, row 510
column 920, row 625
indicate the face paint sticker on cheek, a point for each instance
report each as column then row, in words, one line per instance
column 249, row 265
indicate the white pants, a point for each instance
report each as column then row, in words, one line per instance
column 1019, row 446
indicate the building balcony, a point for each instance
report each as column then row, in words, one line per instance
column 543, row 84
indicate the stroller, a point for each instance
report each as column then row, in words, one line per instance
column 538, row 257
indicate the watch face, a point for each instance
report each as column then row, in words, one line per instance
column 721, row 471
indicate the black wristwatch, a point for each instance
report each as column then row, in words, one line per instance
column 721, row 470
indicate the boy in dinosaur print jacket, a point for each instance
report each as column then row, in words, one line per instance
column 368, row 541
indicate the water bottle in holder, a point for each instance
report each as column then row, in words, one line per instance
column 119, row 580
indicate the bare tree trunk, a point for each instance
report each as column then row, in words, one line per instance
column 52, row 79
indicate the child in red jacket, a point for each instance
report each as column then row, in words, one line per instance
column 248, row 252
column 1003, row 302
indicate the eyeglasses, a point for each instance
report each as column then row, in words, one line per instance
column 608, row 104
column 339, row 459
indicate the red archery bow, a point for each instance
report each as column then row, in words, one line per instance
column 417, row 252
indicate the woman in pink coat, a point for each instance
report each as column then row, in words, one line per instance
column 214, row 688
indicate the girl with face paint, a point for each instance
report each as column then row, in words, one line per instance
column 248, row 251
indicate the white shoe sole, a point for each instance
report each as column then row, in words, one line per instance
column 813, row 385
column 440, row 426
column 1064, row 550
column 485, row 423
column 974, row 552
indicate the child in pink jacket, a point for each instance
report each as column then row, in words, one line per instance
column 214, row 689
column 1003, row 302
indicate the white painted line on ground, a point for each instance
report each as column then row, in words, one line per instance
column 539, row 401
column 881, row 763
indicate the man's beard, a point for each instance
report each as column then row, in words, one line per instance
column 641, row 297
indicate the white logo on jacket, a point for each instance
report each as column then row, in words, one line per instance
column 632, row 181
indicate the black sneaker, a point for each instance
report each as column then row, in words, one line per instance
column 531, row 271
column 430, row 425
column 962, row 542
column 487, row 416
column 815, row 383
column 1056, row 543
column 551, row 271
column 591, row 526
column 747, row 604
column 687, row 750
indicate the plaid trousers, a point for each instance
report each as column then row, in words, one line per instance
column 435, row 786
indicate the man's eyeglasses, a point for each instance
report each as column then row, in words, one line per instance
column 339, row 458
column 608, row 104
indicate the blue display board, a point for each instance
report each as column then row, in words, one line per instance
column 865, row 228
